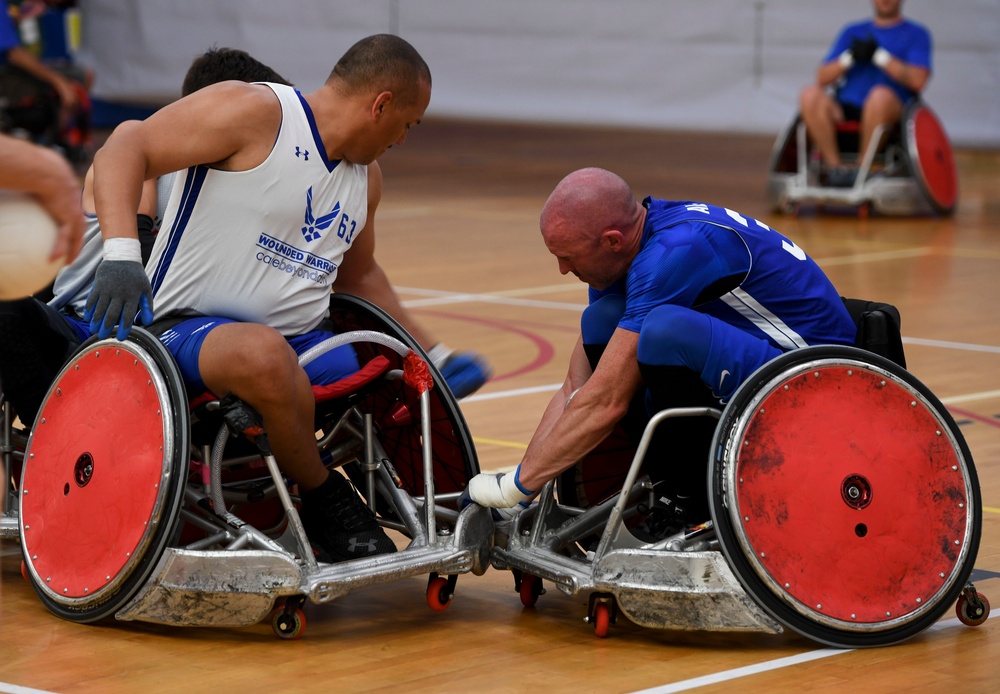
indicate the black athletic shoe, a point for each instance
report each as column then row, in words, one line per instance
column 664, row 520
column 340, row 525
column 841, row 176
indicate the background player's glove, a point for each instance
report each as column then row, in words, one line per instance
column 465, row 372
column 121, row 290
column 501, row 491
column 863, row 50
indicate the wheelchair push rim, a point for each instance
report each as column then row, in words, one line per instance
column 103, row 480
column 454, row 454
column 844, row 497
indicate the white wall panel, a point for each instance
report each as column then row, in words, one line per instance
column 734, row 65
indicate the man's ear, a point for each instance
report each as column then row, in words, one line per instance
column 380, row 104
column 614, row 238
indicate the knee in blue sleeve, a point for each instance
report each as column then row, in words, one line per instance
column 601, row 318
column 675, row 336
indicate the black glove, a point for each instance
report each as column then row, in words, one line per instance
column 863, row 50
column 121, row 289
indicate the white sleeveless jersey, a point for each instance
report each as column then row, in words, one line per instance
column 262, row 245
column 74, row 282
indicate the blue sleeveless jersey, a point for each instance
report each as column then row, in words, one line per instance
column 733, row 268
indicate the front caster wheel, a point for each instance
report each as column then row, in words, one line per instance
column 440, row 591
column 530, row 589
column 602, row 620
column 288, row 625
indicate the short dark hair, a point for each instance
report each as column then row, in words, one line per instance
column 383, row 62
column 221, row 64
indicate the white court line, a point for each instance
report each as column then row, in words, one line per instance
column 875, row 256
column 967, row 346
column 512, row 393
column 6, row 688
column 985, row 395
column 737, row 673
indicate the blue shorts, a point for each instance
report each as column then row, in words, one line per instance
column 185, row 339
column 722, row 356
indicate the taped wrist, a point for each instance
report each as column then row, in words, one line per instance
column 122, row 249
column 881, row 57
column 499, row 491
column 846, row 59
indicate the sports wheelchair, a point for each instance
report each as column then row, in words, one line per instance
column 136, row 504
column 913, row 173
column 844, row 506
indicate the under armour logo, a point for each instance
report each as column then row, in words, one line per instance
column 315, row 225
column 353, row 544
column 304, row 153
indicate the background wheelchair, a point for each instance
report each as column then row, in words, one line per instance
column 844, row 506
column 136, row 504
column 913, row 172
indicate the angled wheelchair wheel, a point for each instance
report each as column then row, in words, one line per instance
column 396, row 408
column 104, row 476
column 600, row 474
column 931, row 158
column 844, row 497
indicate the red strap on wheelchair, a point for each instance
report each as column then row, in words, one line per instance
column 369, row 372
column 345, row 386
column 416, row 373
column 848, row 126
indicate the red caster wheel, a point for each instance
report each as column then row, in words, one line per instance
column 288, row 625
column 439, row 593
column 602, row 620
column 530, row 589
column 972, row 608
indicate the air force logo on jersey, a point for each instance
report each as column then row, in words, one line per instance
column 314, row 225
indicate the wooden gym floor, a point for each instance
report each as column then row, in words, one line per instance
column 458, row 235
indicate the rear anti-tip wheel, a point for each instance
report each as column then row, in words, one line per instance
column 972, row 608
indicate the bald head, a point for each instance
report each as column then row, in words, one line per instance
column 589, row 201
column 592, row 224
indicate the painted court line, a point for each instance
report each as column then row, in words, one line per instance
column 17, row 689
column 790, row 661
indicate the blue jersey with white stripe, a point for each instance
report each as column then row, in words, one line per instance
column 734, row 268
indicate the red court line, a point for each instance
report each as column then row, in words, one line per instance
column 545, row 350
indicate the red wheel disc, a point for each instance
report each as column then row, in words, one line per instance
column 867, row 521
column 91, row 486
column 933, row 161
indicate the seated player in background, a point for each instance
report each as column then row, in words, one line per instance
column 875, row 67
